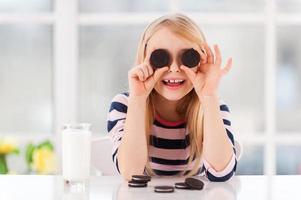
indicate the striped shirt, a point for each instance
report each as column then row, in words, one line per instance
column 169, row 143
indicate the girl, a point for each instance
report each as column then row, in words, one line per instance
column 172, row 122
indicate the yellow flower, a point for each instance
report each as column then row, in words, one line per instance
column 44, row 161
column 8, row 145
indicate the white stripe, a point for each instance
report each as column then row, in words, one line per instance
column 121, row 98
column 115, row 115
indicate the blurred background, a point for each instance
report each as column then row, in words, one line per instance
column 63, row 61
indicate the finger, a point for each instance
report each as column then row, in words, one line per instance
column 210, row 57
column 145, row 71
column 203, row 56
column 150, row 70
column 190, row 74
column 228, row 67
column 159, row 72
column 218, row 58
column 140, row 74
column 133, row 73
column 147, row 57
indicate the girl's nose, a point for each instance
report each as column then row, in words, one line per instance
column 174, row 67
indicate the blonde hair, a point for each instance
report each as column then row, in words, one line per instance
column 189, row 106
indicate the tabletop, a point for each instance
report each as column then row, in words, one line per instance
column 114, row 187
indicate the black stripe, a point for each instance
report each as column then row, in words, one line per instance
column 168, row 162
column 230, row 136
column 114, row 154
column 213, row 178
column 117, row 166
column 169, row 144
column 157, row 123
column 224, row 108
column 172, row 173
column 111, row 124
column 125, row 93
column 166, row 173
column 227, row 122
column 119, row 107
column 202, row 170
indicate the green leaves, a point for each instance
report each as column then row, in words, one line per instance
column 28, row 153
column 30, row 148
column 3, row 165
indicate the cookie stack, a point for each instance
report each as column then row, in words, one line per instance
column 139, row 181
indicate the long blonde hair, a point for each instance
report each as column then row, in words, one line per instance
column 190, row 106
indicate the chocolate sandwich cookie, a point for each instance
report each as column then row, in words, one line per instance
column 141, row 178
column 191, row 58
column 132, row 183
column 159, row 58
column 182, row 185
column 194, row 183
column 164, row 189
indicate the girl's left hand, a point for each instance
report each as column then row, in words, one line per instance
column 208, row 75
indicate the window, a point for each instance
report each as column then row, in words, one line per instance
column 62, row 62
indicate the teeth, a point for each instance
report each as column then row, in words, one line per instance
column 173, row 81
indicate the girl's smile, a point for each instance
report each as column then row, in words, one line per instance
column 173, row 83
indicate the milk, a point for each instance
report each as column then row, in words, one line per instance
column 76, row 149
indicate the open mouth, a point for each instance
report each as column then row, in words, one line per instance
column 173, row 83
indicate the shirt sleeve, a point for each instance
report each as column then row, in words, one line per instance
column 115, row 123
column 230, row 169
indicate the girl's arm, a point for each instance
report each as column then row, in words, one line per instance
column 132, row 152
column 217, row 148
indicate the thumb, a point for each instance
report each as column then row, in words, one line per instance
column 155, row 77
column 190, row 74
column 159, row 72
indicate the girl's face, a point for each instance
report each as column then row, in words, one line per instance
column 164, row 38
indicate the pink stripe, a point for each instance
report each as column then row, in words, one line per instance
column 168, row 123
column 171, row 167
column 172, row 154
column 172, row 134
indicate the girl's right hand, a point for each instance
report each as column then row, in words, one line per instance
column 142, row 79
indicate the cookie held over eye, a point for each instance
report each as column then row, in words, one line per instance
column 191, row 58
column 159, row 58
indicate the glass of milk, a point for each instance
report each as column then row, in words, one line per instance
column 76, row 149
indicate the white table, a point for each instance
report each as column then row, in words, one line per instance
column 33, row 187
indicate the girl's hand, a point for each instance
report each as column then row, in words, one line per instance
column 209, row 73
column 142, row 79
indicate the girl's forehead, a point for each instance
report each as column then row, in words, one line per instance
column 164, row 38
